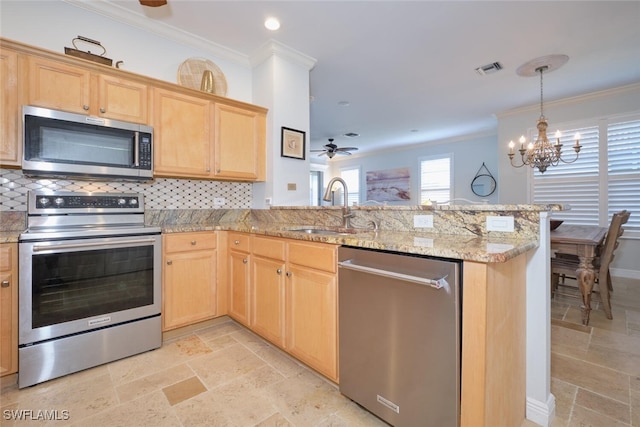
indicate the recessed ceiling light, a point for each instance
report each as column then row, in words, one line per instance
column 351, row 134
column 344, row 103
column 272, row 24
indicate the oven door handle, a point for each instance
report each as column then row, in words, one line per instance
column 38, row 248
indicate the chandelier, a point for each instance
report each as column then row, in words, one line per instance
column 542, row 153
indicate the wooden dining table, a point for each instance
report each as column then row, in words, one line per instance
column 583, row 241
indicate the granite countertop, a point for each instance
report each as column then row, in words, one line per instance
column 454, row 246
column 464, row 247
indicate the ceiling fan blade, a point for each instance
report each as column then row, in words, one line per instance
column 318, row 151
column 153, row 3
column 347, row 149
column 343, row 153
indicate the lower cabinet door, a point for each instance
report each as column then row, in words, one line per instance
column 267, row 293
column 239, row 268
column 189, row 288
column 312, row 313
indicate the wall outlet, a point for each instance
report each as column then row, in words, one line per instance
column 267, row 201
column 500, row 223
column 218, row 201
column 423, row 221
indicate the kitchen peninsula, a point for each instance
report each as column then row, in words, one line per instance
column 497, row 270
column 500, row 354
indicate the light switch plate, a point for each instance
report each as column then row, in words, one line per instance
column 500, row 223
column 423, row 221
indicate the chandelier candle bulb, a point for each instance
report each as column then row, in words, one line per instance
column 558, row 135
column 511, row 145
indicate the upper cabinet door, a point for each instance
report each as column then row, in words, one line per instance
column 10, row 141
column 239, row 143
column 121, row 99
column 182, row 134
column 58, row 86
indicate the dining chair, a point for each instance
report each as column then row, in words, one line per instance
column 566, row 265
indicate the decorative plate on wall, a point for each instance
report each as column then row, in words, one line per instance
column 190, row 74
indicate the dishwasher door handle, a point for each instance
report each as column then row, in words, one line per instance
column 434, row 283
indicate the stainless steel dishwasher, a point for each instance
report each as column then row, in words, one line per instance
column 399, row 318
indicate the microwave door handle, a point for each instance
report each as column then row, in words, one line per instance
column 136, row 149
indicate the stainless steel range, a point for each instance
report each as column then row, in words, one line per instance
column 90, row 283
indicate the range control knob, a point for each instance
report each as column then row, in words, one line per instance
column 59, row 201
column 122, row 202
column 133, row 202
column 44, row 201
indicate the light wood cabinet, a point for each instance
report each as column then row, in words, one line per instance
column 239, row 143
column 312, row 306
column 76, row 89
column 268, row 272
column 292, row 295
column 493, row 360
column 10, row 140
column 239, row 276
column 8, row 308
column 182, row 134
column 189, row 278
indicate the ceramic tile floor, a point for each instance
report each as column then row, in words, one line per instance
column 224, row 375
column 595, row 370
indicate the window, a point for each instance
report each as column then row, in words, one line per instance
column 436, row 179
column 352, row 178
column 605, row 178
column 315, row 184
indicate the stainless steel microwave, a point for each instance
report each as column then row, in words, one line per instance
column 58, row 143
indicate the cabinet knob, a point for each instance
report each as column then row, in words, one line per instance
column 208, row 169
column 279, row 271
column 193, row 243
column 237, row 242
column 103, row 110
column 5, row 283
column 244, row 261
column 85, row 107
column 289, row 274
column 169, row 262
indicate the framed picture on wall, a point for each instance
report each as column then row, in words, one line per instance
column 293, row 143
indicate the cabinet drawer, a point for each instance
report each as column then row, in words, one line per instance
column 269, row 248
column 239, row 241
column 180, row 242
column 314, row 255
column 6, row 256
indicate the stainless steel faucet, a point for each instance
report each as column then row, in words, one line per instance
column 346, row 211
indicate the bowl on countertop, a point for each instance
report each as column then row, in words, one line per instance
column 555, row 223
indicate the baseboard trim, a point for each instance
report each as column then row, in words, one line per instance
column 626, row 273
column 540, row 412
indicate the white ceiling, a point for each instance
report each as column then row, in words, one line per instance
column 409, row 65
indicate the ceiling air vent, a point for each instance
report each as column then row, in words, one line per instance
column 489, row 68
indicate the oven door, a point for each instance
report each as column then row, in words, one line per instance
column 73, row 286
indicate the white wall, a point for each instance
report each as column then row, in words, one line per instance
column 54, row 24
column 468, row 155
column 514, row 183
column 281, row 83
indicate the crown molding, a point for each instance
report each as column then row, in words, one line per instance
column 275, row 48
column 120, row 14
column 572, row 100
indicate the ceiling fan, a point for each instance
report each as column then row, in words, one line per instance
column 153, row 3
column 332, row 149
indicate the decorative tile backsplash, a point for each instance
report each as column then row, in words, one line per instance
column 161, row 193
